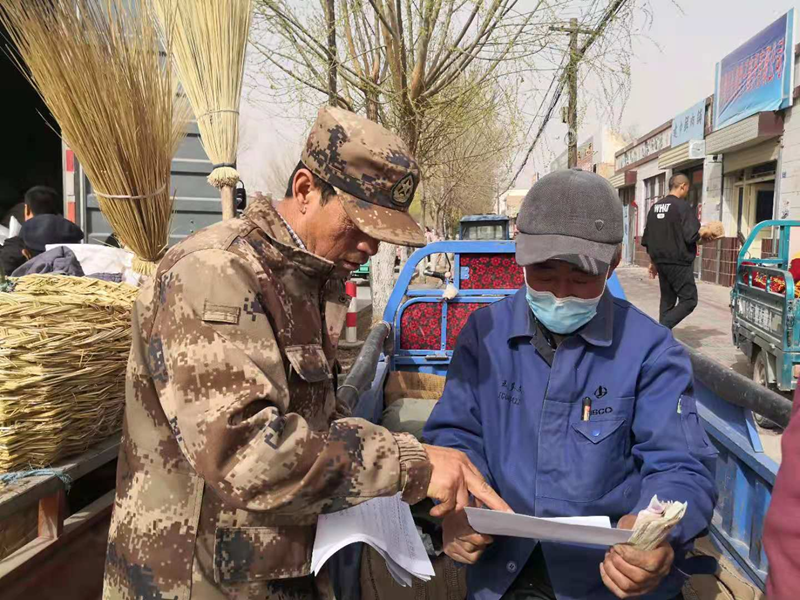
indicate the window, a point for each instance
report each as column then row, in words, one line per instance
column 484, row 232
column 765, row 200
column 654, row 190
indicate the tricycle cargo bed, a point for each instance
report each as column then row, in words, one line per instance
column 764, row 307
column 421, row 326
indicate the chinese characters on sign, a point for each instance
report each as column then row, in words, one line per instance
column 757, row 76
column 649, row 146
column 689, row 125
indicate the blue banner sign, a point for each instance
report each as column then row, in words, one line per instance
column 757, row 76
column 689, row 125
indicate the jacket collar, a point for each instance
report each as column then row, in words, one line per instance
column 263, row 214
column 597, row 332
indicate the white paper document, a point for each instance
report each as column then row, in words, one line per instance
column 14, row 227
column 385, row 524
column 591, row 531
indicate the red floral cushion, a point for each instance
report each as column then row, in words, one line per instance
column 421, row 327
column 457, row 315
column 777, row 285
column 490, row 272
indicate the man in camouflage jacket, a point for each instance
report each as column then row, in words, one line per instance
column 233, row 439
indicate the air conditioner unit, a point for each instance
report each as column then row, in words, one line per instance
column 697, row 149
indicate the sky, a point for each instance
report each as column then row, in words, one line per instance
column 672, row 69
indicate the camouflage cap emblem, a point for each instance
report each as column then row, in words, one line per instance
column 403, row 190
column 373, row 169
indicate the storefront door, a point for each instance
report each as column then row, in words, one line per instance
column 756, row 204
column 695, row 199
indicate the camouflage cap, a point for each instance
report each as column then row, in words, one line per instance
column 371, row 169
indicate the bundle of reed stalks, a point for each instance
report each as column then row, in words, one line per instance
column 64, row 344
column 209, row 40
column 98, row 68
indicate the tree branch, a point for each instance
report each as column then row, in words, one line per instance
column 438, row 67
column 307, row 83
column 382, row 17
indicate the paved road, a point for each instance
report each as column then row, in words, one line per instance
column 707, row 329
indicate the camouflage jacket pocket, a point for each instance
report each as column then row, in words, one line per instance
column 250, row 554
column 309, row 362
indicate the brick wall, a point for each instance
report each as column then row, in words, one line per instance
column 721, row 254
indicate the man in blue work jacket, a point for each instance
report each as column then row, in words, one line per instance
column 573, row 402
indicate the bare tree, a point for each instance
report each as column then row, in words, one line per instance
column 422, row 68
column 467, row 172
column 399, row 63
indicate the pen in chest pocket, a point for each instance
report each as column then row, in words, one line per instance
column 587, row 408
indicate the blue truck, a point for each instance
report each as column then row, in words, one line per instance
column 484, row 228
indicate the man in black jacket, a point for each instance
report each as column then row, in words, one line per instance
column 670, row 237
column 39, row 201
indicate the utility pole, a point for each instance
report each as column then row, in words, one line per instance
column 571, row 76
column 330, row 19
column 613, row 8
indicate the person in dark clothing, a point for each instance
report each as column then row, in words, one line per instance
column 11, row 255
column 40, row 201
column 670, row 237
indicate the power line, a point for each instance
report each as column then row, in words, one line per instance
column 610, row 13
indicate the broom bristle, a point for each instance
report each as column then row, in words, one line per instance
column 98, row 68
column 209, row 40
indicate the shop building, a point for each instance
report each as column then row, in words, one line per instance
column 753, row 86
column 740, row 149
column 641, row 183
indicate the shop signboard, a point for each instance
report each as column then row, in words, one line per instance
column 689, row 125
column 643, row 150
column 757, row 76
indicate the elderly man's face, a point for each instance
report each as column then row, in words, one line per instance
column 327, row 230
column 337, row 238
column 564, row 280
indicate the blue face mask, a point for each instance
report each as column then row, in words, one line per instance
column 562, row 315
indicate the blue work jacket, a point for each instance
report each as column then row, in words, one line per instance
column 519, row 421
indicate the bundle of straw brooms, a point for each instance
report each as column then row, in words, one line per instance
column 209, row 45
column 99, row 69
column 64, row 341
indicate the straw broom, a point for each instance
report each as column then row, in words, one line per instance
column 98, row 69
column 210, row 39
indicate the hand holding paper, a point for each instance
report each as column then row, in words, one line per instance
column 461, row 542
column 385, row 524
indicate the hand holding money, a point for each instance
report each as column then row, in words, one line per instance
column 639, row 566
column 654, row 523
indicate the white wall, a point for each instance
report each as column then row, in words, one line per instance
column 789, row 184
column 712, row 190
column 730, row 204
column 611, row 143
column 646, row 171
column 790, row 166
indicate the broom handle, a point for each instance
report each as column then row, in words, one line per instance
column 228, row 202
